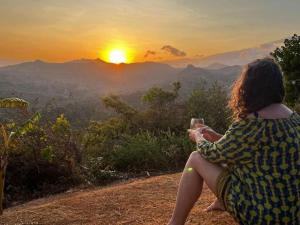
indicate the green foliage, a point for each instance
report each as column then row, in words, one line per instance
column 48, row 154
column 28, row 125
column 158, row 98
column 62, row 126
column 45, row 155
column 138, row 152
column 155, row 138
column 288, row 57
column 5, row 148
column 297, row 108
column 118, row 106
column 95, row 173
column 148, row 151
column 102, row 136
column 15, row 103
column 210, row 104
column 163, row 112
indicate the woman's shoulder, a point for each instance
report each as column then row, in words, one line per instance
column 244, row 125
column 273, row 112
column 254, row 123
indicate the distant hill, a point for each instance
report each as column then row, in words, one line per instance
column 95, row 75
column 192, row 75
column 215, row 66
column 91, row 78
column 88, row 73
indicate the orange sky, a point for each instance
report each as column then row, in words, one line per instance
column 61, row 30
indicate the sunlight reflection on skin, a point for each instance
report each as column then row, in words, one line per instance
column 189, row 169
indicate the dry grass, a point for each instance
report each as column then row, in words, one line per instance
column 143, row 201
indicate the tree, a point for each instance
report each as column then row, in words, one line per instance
column 66, row 149
column 158, row 98
column 163, row 111
column 288, row 57
column 120, row 107
column 210, row 104
column 7, row 140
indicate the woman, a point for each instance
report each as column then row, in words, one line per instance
column 261, row 183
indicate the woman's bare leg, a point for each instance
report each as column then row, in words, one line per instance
column 197, row 170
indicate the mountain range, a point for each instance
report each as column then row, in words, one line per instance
column 74, row 88
column 90, row 77
column 93, row 77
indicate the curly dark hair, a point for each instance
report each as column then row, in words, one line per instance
column 259, row 85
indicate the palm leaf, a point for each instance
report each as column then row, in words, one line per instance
column 14, row 103
column 28, row 124
column 4, row 136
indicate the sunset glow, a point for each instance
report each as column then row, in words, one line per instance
column 165, row 31
column 117, row 52
column 117, row 56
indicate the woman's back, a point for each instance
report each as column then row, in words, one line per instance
column 264, row 188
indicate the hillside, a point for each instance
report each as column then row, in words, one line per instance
column 74, row 88
column 143, row 201
column 77, row 85
column 88, row 77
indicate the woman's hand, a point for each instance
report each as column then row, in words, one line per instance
column 210, row 135
column 192, row 135
column 204, row 132
column 196, row 134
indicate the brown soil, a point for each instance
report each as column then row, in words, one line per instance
column 143, row 201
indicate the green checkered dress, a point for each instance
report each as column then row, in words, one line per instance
column 262, row 182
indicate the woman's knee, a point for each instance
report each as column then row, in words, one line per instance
column 195, row 158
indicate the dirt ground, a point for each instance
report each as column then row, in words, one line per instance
column 143, row 201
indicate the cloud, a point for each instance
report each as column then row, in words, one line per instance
column 149, row 53
column 199, row 56
column 271, row 45
column 231, row 58
column 173, row 51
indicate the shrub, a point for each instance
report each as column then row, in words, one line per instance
column 155, row 138
column 210, row 104
column 44, row 160
column 100, row 137
column 148, row 151
column 95, row 173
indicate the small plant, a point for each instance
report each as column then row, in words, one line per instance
column 7, row 138
column 96, row 172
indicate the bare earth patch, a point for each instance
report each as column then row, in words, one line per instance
column 142, row 201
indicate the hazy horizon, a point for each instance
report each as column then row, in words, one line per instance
column 253, row 53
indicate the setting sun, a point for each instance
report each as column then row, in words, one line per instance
column 117, row 56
